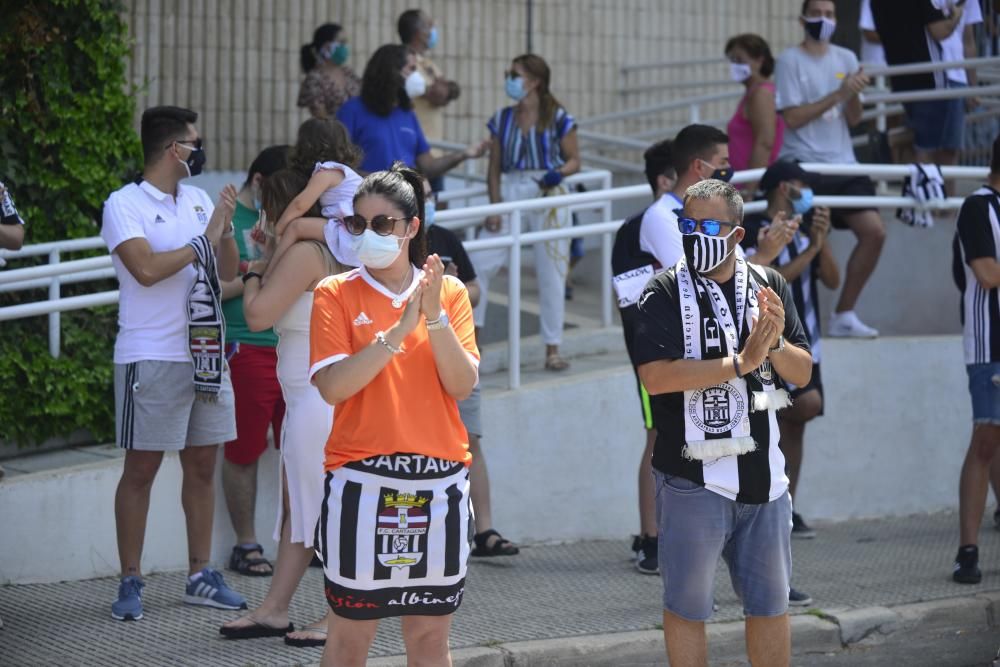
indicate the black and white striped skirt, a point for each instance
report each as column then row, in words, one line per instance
column 394, row 536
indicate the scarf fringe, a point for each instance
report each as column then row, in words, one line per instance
column 713, row 449
column 770, row 400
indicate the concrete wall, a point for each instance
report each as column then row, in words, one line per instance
column 237, row 63
column 563, row 455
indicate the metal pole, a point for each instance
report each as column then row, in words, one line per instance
column 514, row 304
column 606, row 259
column 881, row 125
column 54, row 318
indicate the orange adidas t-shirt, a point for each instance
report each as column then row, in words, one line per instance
column 405, row 409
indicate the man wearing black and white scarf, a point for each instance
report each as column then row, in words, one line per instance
column 717, row 340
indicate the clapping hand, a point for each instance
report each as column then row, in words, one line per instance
column 820, row 228
column 223, row 214
column 431, row 281
column 774, row 237
column 767, row 328
column 411, row 314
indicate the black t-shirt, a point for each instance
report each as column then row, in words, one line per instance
column 976, row 230
column 660, row 336
column 446, row 244
column 902, row 27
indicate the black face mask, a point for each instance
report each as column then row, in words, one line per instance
column 724, row 174
column 196, row 162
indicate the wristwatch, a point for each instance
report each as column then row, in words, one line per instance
column 780, row 346
column 441, row 322
column 250, row 274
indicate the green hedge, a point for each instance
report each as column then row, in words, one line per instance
column 66, row 142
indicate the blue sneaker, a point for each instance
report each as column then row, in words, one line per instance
column 128, row 606
column 207, row 588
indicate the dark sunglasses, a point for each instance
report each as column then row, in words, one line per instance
column 708, row 226
column 380, row 224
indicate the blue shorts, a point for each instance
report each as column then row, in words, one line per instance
column 697, row 526
column 937, row 124
column 984, row 387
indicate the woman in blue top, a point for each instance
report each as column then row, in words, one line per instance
column 534, row 147
column 381, row 121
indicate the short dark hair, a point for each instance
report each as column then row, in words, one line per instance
column 755, row 47
column 267, row 162
column 162, row 125
column 805, row 5
column 382, row 84
column 695, row 141
column 404, row 187
column 659, row 162
column 408, row 25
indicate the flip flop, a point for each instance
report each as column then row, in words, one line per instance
column 308, row 643
column 254, row 631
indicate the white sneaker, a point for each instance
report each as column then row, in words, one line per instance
column 847, row 325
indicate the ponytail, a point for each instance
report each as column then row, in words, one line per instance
column 307, row 54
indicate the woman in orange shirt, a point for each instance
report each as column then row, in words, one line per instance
column 393, row 348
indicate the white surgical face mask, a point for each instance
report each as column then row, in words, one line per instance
column 739, row 72
column 415, row 85
column 704, row 252
column 374, row 251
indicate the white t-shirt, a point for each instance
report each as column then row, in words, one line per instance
column 152, row 321
column 872, row 54
column 953, row 48
column 802, row 78
column 658, row 234
column 338, row 202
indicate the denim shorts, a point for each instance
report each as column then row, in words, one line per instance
column 937, row 124
column 697, row 526
column 984, row 387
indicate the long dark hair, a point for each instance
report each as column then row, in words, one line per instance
column 755, row 47
column 323, row 140
column 323, row 34
column 382, row 84
column 404, row 187
column 539, row 69
column 279, row 189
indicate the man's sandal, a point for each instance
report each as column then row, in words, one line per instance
column 554, row 362
column 501, row 547
column 241, row 563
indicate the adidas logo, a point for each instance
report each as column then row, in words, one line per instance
column 159, row 219
column 362, row 320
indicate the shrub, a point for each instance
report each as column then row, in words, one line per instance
column 66, row 142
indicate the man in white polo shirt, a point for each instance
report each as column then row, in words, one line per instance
column 172, row 387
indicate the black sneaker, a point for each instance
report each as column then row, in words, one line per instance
column 967, row 565
column 996, row 517
column 636, row 548
column 798, row 598
column 800, row 529
column 648, row 563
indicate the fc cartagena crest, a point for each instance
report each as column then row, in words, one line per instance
column 403, row 521
column 717, row 409
column 202, row 216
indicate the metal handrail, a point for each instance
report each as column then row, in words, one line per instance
column 930, row 66
column 671, row 63
column 687, row 102
column 930, row 94
column 516, row 239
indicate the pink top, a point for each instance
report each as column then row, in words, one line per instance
column 741, row 134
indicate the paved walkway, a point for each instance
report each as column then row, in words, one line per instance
column 550, row 591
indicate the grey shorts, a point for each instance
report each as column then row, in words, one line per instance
column 697, row 526
column 156, row 410
column 471, row 412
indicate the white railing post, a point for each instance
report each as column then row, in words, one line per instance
column 514, row 304
column 55, row 320
column 694, row 113
column 882, row 125
column 606, row 240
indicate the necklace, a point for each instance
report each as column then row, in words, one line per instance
column 398, row 300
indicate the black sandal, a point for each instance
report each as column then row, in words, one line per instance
column 255, row 631
column 501, row 547
column 239, row 561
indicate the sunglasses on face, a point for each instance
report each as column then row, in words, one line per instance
column 708, row 226
column 380, row 224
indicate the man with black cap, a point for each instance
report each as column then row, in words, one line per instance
column 805, row 258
